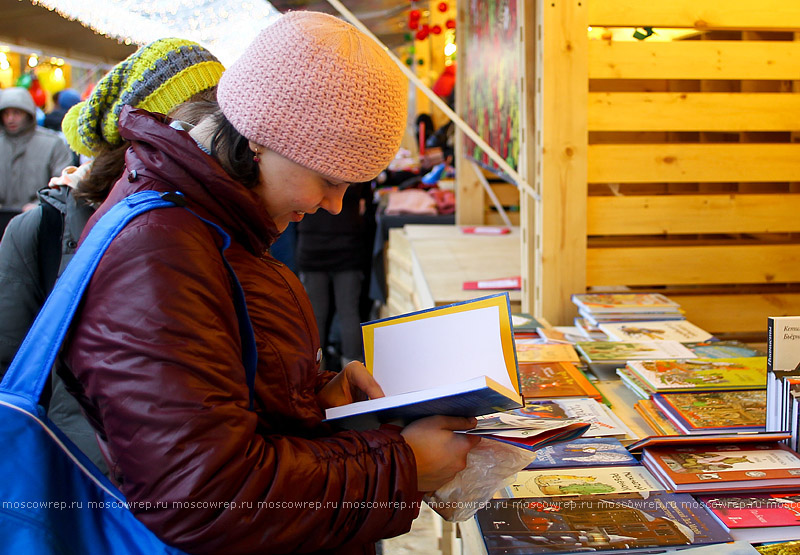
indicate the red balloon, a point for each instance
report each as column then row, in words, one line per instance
column 442, row 7
column 414, row 14
column 39, row 96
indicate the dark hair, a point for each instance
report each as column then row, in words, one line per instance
column 109, row 161
column 233, row 152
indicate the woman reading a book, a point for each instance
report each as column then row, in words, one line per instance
column 155, row 356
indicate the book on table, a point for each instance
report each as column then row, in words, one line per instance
column 757, row 517
column 546, row 380
column 724, row 467
column 654, row 418
column 584, row 451
column 684, row 440
column 625, row 302
column 633, row 523
column 603, row 421
column 456, row 360
column 604, row 357
column 536, row 350
column 700, row 412
column 581, row 481
column 723, row 349
column 783, row 343
column 669, row 330
column 700, row 374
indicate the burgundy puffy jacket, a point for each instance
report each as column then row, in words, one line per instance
column 154, row 357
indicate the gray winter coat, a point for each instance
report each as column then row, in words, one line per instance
column 30, row 158
column 22, row 294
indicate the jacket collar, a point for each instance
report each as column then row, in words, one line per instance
column 172, row 156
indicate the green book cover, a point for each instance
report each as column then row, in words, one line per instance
column 702, row 374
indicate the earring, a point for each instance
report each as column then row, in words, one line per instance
column 256, row 159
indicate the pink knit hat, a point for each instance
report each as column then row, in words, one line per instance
column 318, row 91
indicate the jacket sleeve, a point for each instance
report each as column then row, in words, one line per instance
column 157, row 352
column 21, row 294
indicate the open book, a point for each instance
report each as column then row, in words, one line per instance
column 456, row 360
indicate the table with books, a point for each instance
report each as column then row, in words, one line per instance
column 690, row 464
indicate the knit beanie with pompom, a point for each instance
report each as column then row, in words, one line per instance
column 321, row 93
column 157, row 77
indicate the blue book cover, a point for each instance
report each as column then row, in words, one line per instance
column 585, row 451
column 633, row 523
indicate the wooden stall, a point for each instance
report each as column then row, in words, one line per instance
column 667, row 166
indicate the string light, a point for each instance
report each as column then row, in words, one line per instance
column 226, row 27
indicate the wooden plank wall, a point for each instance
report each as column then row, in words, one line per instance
column 693, row 159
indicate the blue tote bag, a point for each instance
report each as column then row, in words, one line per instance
column 53, row 499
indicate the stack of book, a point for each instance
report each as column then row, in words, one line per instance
column 783, row 376
column 598, row 308
column 749, row 482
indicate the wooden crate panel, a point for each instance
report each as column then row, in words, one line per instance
column 682, row 163
column 737, row 313
column 694, row 60
column 689, row 214
column 694, row 112
column 687, row 265
column 698, row 14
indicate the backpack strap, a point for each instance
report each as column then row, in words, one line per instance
column 51, row 225
column 28, row 372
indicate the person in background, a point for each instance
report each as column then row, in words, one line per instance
column 155, row 355
column 169, row 75
column 29, row 154
column 64, row 100
column 330, row 257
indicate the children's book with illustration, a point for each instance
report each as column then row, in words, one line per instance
column 584, row 451
column 629, row 523
column 604, row 423
column 581, row 481
column 456, row 360
column 536, row 350
column 554, row 379
column 670, row 330
column 723, row 349
column 684, row 440
column 757, row 517
column 604, row 357
column 700, row 412
column 526, row 433
column 625, row 302
column 724, row 467
column 526, row 324
column 701, row 374
column 655, row 418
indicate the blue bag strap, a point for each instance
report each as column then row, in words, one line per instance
column 29, row 370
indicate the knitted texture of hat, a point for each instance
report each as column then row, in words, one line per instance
column 19, row 98
column 319, row 92
column 157, row 77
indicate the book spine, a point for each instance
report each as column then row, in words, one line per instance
column 770, row 343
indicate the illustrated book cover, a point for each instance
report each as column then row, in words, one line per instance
column 633, row 523
column 581, row 481
column 604, row 423
column 682, row 331
column 701, row 374
column 536, row 350
column 456, row 360
column 604, row 357
column 584, row 451
column 724, row 467
column 625, row 302
column 685, row 440
column 696, row 412
column 654, row 418
column 723, row 349
column 554, row 379
column 757, row 517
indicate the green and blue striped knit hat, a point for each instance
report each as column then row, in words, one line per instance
column 157, row 77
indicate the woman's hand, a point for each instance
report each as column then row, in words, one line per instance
column 440, row 453
column 353, row 383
